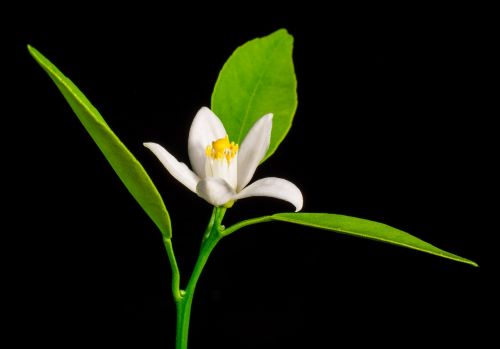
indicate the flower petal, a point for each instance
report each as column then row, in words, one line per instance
column 253, row 148
column 276, row 188
column 205, row 129
column 177, row 169
column 215, row 190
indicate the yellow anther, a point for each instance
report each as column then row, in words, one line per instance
column 222, row 148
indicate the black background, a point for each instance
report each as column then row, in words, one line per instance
column 391, row 126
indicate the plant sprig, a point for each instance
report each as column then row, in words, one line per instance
column 256, row 80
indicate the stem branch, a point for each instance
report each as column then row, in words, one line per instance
column 176, row 277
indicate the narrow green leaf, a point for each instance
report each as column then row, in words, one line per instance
column 123, row 162
column 258, row 79
column 365, row 229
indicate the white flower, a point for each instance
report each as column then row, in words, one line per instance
column 222, row 169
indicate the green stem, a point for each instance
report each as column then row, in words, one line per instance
column 176, row 277
column 245, row 223
column 210, row 240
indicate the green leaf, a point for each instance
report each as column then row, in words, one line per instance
column 359, row 227
column 123, row 162
column 365, row 229
column 258, row 79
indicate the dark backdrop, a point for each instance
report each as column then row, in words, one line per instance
column 389, row 127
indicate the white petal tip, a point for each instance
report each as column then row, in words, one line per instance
column 297, row 200
column 268, row 117
column 154, row 147
column 298, row 207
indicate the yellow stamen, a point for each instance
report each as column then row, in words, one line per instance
column 222, row 148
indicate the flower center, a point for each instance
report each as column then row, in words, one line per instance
column 221, row 148
column 222, row 161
